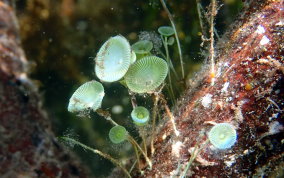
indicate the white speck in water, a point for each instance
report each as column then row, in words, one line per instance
column 275, row 127
column 117, row 109
column 230, row 161
column 226, row 64
column 176, row 148
column 225, row 87
column 280, row 23
column 219, row 72
column 229, row 99
column 264, row 40
column 260, row 29
column 206, row 100
column 274, row 116
column 81, row 25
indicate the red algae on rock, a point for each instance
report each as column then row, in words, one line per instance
column 252, row 51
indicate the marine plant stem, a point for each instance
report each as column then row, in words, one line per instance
column 154, row 116
column 212, row 52
column 104, row 155
column 198, row 7
column 141, row 133
column 170, row 115
column 133, row 141
column 106, row 115
column 133, row 100
column 176, row 35
column 137, row 157
column 171, row 64
column 143, row 140
column 132, row 167
column 171, row 91
column 193, row 156
column 200, row 12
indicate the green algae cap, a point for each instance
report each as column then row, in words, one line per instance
column 117, row 134
column 113, row 59
column 133, row 57
column 142, row 47
column 171, row 40
column 166, row 31
column 146, row 74
column 223, row 136
column 140, row 115
column 87, row 96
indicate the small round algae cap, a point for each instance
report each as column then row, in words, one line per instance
column 223, row 136
column 142, row 47
column 166, row 31
column 117, row 134
column 87, row 96
column 113, row 59
column 146, row 74
column 140, row 115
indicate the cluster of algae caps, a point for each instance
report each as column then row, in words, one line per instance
column 117, row 61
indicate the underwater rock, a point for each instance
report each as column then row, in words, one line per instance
column 243, row 57
column 28, row 148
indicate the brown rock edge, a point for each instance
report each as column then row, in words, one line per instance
column 28, row 147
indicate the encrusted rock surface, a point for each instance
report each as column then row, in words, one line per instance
column 28, row 148
column 248, row 93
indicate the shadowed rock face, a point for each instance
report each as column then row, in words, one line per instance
column 28, row 148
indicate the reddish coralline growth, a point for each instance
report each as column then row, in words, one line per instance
column 27, row 146
column 248, row 93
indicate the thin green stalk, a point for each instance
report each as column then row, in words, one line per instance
column 106, row 115
column 170, row 64
column 171, row 91
column 193, row 156
column 133, row 141
column 104, row 155
column 132, row 167
column 198, row 7
column 154, row 116
column 144, row 142
column 176, row 35
column 137, row 157
column 141, row 133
